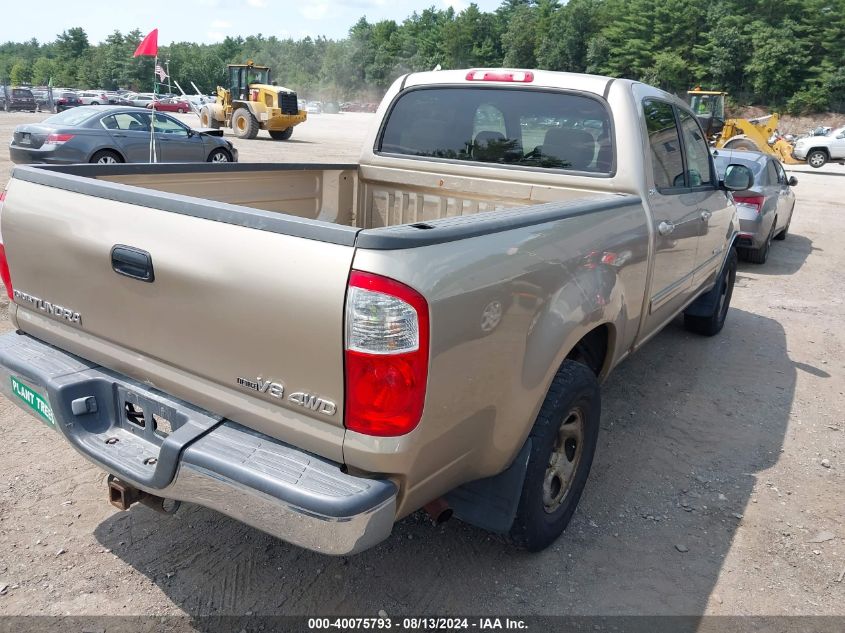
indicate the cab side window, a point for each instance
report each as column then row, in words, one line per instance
column 665, row 142
column 697, row 152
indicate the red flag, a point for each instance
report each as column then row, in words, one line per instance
column 149, row 46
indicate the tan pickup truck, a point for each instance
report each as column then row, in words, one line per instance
column 320, row 350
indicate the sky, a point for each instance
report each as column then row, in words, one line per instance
column 211, row 20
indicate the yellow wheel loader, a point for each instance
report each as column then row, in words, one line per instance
column 251, row 103
column 760, row 134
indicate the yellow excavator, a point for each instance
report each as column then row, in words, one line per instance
column 759, row 134
column 251, row 103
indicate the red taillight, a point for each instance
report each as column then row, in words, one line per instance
column 516, row 76
column 57, row 139
column 4, row 263
column 751, row 201
column 387, row 338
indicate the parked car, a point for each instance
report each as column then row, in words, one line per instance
column 42, row 98
column 115, row 134
column 320, row 351
column 171, row 105
column 765, row 209
column 19, row 99
column 818, row 150
column 314, row 107
column 96, row 97
column 64, row 100
column 140, row 100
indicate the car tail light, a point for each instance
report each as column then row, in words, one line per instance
column 519, row 76
column 387, row 337
column 57, row 139
column 4, row 263
column 752, row 202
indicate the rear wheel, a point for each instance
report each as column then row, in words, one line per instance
column 563, row 442
column 720, row 300
column 817, row 158
column 106, row 157
column 761, row 255
column 180, row 110
column 282, row 135
column 244, row 124
column 219, row 155
column 743, row 144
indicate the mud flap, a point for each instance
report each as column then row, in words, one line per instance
column 491, row 503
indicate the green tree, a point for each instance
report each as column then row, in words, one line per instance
column 21, row 73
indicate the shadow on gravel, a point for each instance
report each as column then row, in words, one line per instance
column 785, row 258
column 688, row 424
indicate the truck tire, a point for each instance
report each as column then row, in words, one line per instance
column 207, row 119
column 282, row 135
column 244, row 124
column 817, row 158
column 742, row 143
column 563, row 442
column 720, row 299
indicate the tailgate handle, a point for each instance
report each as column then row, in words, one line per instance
column 132, row 262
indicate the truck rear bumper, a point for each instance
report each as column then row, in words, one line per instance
column 177, row 451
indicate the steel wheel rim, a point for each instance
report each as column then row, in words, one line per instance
column 564, row 460
column 106, row 160
column 219, row 157
column 241, row 123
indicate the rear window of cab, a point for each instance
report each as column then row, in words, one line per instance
column 505, row 126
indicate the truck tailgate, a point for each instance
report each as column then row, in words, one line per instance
column 246, row 323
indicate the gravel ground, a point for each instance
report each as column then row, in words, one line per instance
column 718, row 487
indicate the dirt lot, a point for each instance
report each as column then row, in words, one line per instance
column 709, row 493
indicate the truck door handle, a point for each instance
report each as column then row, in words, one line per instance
column 132, row 262
column 664, row 228
column 705, row 216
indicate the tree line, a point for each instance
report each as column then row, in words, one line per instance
column 780, row 53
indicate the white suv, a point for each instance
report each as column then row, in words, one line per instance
column 818, row 150
column 93, row 98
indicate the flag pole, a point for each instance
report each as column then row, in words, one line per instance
column 153, row 157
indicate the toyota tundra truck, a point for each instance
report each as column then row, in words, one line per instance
column 319, row 350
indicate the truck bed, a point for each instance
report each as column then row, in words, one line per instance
column 342, row 194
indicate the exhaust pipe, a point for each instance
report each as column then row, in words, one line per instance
column 438, row 511
column 123, row 496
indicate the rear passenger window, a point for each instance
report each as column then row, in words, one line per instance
column 666, row 157
column 772, row 173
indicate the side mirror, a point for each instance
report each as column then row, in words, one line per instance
column 793, row 181
column 737, row 178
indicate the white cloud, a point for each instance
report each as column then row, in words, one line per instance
column 314, row 11
column 257, row 4
column 221, row 24
column 215, row 36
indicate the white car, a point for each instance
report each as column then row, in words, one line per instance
column 93, row 97
column 818, row 150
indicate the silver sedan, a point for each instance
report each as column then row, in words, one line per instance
column 765, row 210
column 116, row 134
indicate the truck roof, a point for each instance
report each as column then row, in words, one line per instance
column 596, row 84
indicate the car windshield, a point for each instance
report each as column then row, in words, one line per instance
column 509, row 126
column 75, row 116
column 21, row 93
column 724, row 159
